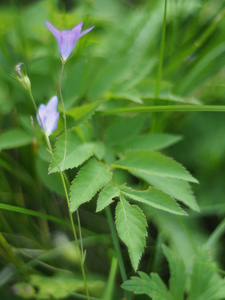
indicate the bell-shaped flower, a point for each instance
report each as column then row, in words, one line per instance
column 67, row 38
column 48, row 116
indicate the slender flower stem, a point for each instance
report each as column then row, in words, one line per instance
column 64, row 111
column 64, row 156
column 67, row 197
column 117, row 247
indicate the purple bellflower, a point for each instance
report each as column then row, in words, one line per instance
column 48, row 115
column 67, row 38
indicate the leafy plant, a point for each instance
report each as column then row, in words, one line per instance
column 201, row 282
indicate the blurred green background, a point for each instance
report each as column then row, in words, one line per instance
column 117, row 61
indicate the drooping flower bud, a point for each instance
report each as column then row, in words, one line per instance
column 48, row 116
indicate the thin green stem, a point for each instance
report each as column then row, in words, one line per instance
column 64, row 112
column 164, row 108
column 117, row 247
column 66, row 194
column 64, row 156
column 80, row 235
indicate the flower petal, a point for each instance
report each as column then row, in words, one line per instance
column 42, row 114
column 68, row 41
column 77, row 28
column 53, row 30
column 52, row 105
column 48, row 116
column 51, row 122
column 86, row 31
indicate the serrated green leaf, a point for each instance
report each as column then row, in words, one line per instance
column 155, row 198
column 131, row 226
column 77, row 152
column 82, row 113
column 152, row 286
column 151, row 141
column 106, row 196
column 179, row 189
column 15, row 138
column 100, row 150
column 92, row 177
column 139, row 285
column 153, row 163
column 159, row 289
column 177, row 274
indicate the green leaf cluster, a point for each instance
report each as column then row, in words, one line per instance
column 124, row 149
column 202, row 282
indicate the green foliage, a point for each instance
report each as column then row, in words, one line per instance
column 106, row 196
column 150, row 141
column 15, row 138
column 60, row 286
column 77, row 152
column 131, row 226
column 205, row 282
column 82, row 113
column 91, row 178
column 152, row 286
column 25, row 211
column 154, row 198
column 176, row 188
column 112, row 112
column 153, row 163
column 123, row 130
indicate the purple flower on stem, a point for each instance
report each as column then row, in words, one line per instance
column 67, row 38
column 48, row 116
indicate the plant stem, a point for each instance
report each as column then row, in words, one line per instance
column 64, row 111
column 164, row 108
column 64, row 156
column 66, row 194
column 117, row 247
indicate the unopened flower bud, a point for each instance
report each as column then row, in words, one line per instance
column 26, row 82
column 22, row 78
